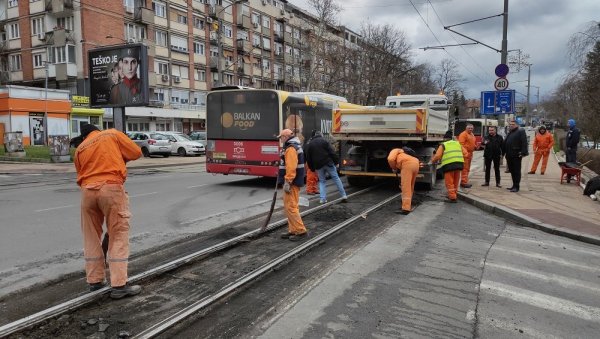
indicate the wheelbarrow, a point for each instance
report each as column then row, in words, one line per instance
column 571, row 170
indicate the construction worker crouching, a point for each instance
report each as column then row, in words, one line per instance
column 408, row 166
column 291, row 176
column 451, row 154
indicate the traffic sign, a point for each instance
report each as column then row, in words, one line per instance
column 501, row 70
column 497, row 102
column 501, row 84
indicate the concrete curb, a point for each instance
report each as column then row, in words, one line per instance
column 527, row 221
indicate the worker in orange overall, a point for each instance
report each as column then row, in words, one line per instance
column 452, row 155
column 291, row 176
column 312, row 182
column 401, row 160
column 101, row 173
column 467, row 141
column 542, row 144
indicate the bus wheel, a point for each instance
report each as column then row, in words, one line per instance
column 359, row 181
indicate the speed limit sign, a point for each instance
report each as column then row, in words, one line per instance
column 501, row 84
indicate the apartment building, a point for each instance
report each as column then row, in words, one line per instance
column 193, row 46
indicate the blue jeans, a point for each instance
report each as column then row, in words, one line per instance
column 322, row 173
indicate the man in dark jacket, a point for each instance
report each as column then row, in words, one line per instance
column 493, row 152
column 321, row 158
column 572, row 141
column 515, row 148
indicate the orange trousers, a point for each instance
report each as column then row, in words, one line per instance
column 540, row 155
column 408, row 177
column 452, row 180
column 102, row 201
column 290, row 206
column 312, row 181
column 466, row 169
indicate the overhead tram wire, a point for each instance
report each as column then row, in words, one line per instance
column 438, row 40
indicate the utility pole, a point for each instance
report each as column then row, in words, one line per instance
column 504, row 53
column 528, row 115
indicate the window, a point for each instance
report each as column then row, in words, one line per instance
column 61, row 54
column 182, row 19
column 228, row 31
column 296, row 34
column 199, row 98
column 13, row 31
column 13, row 3
column 228, row 79
column 266, row 64
column 278, row 48
column 242, row 35
column 288, row 50
column 180, row 96
column 256, row 18
column 266, row 43
column 199, row 47
column 288, row 29
column 200, row 75
column 37, row 27
column 179, row 44
column 266, row 22
column 161, row 38
column 214, row 51
column 135, row 32
column 38, row 60
column 15, row 62
column 159, row 8
column 277, row 27
column 161, row 67
column 198, row 22
column 159, row 95
column 180, row 71
column 255, row 40
column 66, row 23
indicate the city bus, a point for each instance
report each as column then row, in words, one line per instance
column 242, row 126
column 479, row 128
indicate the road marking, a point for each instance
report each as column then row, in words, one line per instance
column 195, row 186
column 142, row 195
column 510, row 327
column 543, row 301
column 547, row 277
column 566, row 247
column 54, row 208
column 545, row 257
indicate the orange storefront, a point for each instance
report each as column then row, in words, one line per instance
column 24, row 109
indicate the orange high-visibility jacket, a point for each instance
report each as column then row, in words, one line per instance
column 101, row 157
column 467, row 141
column 543, row 142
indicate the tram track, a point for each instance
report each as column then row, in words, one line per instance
column 184, row 275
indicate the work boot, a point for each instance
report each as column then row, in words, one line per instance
column 298, row 237
column 401, row 211
column 125, row 291
column 514, row 190
column 466, row 185
column 542, row 173
column 97, row 286
column 531, row 172
column 286, row 235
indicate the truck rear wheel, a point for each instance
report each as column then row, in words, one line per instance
column 360, row 181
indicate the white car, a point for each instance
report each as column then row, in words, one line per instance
column 183, row 145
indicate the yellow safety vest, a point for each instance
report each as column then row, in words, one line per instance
column 452, row 153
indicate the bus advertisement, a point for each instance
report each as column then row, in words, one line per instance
column 242, row 126
column 478, row 128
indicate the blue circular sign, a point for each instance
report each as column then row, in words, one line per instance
column 501, row 70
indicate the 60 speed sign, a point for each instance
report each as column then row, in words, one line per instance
column 501, row 84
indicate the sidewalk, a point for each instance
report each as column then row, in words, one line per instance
column 542, row 202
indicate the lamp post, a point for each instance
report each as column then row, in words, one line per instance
column 45, row 120
column 220, row 42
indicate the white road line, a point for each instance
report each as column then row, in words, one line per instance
column 195, row 186
column 567, row 247
column 54, row 208
column 543, row 301
column 509, row 326
column 546, row 257
column 547, row 277
column 142, row 195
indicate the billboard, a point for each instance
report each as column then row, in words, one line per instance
column 118, row 76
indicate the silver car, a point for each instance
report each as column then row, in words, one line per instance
column 152, row 143
column 183, row 145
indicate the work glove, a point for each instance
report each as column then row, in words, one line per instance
column 286, row 187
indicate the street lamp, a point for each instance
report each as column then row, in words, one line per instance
column 219, row 42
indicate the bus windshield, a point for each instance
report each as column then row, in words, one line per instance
column 242, row 115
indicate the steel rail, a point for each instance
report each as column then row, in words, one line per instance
column 90, row 297
column 249, row 278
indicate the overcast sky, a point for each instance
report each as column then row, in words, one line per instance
column 540, row 28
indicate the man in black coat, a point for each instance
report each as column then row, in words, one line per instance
column 493, row 152
column 515, row 148
column 321, row 158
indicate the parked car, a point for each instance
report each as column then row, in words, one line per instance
column 184, row 145
column 152, row 143
column 199, row 136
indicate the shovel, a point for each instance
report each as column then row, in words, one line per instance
column 264, row 226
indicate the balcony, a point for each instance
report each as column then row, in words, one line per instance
column 216, row 11
column 213, row 63
column 59, row 6
column 244, row 21
column 59, row 36
column 214, row 38
column 144, row 15
column 279, row 36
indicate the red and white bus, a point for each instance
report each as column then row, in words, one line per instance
column 242, row 126
column 479, row 128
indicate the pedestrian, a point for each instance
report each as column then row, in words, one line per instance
column 404, row 161
column 573, row 135
column 467, row 141
column 542, row 144
column 452, row 157
column 322, row 159
column 291, row 176
column 101, row 173
column 515, row 148
column 492, row 153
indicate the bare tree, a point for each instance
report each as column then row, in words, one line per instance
column 581, row 43
column 447, row 77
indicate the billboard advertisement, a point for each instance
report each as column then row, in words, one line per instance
column 118, row 76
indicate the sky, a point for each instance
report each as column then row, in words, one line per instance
column 539, row 28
